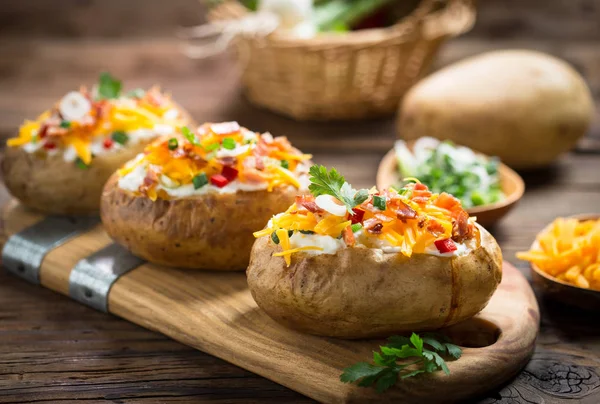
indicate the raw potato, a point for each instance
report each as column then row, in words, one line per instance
column 362, row 293
column 52, row 185
column 212, row 231
column 525, row 107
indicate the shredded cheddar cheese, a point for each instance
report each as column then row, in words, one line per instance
column 408, row 222
column 96, row 119
column 569, row 250
column 216, row 155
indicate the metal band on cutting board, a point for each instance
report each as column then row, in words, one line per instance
column 24, row 251
column 91, row 279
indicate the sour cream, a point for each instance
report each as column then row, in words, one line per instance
column 331, row 245
column 135, row 178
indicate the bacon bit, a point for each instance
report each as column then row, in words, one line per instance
column 43, row 131
column 384, row 218
column 402, row 210
column 421, row 200
column 179, row 153
column 225, row 128
column 154, row 97
column 435, row 227
column 259, row 163
column 150, row 179
column 420, row 187
column 348, row 236
column 461, row 230
column 422, row 222
column 56, row 131
column 358, row 215
column 49, row 146
column 101, row 108
column 308, row 203
column 108, row 143
column 447, row 201
column 227, row 161
column 373, row 226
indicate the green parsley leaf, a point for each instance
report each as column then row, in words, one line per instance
column 65, row 124
column 136, row 93
column 212, row 147
column 173, row 143
column 275, row 238
column 190, row 136
column 200, row 180
column 401, row 358
column 108, row 87
column 356, row 227
column 80, row 164
column 285, row 164
column 379, row 202
column 120, row 137
column 228, row 143
column 332, row 183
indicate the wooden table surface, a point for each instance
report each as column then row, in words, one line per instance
column 55, row 350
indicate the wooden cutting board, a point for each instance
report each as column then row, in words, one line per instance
column 215, row 313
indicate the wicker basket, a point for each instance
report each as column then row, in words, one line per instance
column 356, row 75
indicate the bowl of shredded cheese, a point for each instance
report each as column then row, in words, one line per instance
column 565, row 260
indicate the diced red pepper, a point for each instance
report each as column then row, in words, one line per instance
column 358, row 215
column 445, row 245
column 43, row 131
column 49, row 146
column 108, row 143
column 219, row 180
column 230, row 173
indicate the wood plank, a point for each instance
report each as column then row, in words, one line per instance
column 199, row 308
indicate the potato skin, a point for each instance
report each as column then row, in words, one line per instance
column 52, row 185
column 523, row 106
column 212, row 231
column 362, row 293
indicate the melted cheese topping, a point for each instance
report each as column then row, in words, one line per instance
column 133, row 120
column 218, row 158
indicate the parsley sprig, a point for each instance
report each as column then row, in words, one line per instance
column 332, row 183
column 402, row 357
column 108, row 87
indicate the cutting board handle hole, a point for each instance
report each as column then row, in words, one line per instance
column 474, row 333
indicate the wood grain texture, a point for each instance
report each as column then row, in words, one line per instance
column 200, row 308
column 53, row 349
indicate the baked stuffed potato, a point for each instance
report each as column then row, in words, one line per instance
column 192, row 200
column 357, row 264
column 59, row 163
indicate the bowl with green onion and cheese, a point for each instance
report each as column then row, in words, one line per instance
column 486, row 188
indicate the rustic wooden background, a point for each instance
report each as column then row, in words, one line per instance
column 55, row 350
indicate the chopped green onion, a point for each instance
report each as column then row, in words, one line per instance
column 477, row 198
column 306, row 231
column 34, row 139
column 65, row 124
column 80, row 164
column 120, row 137
column 173, row 143
column 189, row 135
column 285, row 164
column 228, row 143
column 212, row 147
column 356, row 227
column 200, row 180
column 379, row 202
column 275, row 238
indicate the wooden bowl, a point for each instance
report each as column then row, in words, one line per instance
column 512, row 186
column 560, row 290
